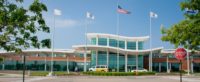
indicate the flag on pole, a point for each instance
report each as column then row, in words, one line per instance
column 123, row 11
column 89, row 15
column 57, row 12
column 153, row 15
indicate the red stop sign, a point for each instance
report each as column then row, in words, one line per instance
column 180, row 53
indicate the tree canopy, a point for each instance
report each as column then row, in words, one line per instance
column 186, row 33
column 19, row 26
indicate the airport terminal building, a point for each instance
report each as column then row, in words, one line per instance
column 118, row 53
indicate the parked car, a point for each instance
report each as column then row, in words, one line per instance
column 139, row 70
column 93, row 68
column 99, row 68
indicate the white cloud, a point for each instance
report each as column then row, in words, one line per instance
column 66, row 23
column 62, row 23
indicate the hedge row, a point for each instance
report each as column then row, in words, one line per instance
column 43, row 73
column 38, row 73
column 118, row 73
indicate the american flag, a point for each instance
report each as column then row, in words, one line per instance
column 123, row 11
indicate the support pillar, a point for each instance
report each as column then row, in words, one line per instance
column 125, row 44
column 192, row 65
column 126, row 63
column 136, row 61
column 188, row 62
column 97, row 40
column 67, row 64
column 107, row 58
column 3, row 64
column 85, row 61
column 45, row 63
column 159, row 67
column 168, row 65
column 96, row 57
column 117, row 61
column 150, row 62
column 137, row 55
column 108, row 41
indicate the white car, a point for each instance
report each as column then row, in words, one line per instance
column 93, row 68
column 139, row 70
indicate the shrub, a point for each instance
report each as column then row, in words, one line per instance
column 38, row 73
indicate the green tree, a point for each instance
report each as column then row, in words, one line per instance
column 186, row 33
column 19, row 25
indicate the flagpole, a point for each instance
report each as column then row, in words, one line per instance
column 85, row 55
column 150, row 57
column 52, row 46
column 117, row 32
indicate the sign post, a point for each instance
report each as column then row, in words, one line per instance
column 180, row 54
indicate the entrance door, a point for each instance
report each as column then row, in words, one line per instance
column 131, row 67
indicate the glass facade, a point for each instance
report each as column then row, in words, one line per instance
column 102, row 41
column 102, row 58
column 40, row 65
column 140, row 45
column 93, row 41
column 112, row 42
column 93, row 58
column 112, row 62
column 131, row 45
column 122, row 44
column 121, row 63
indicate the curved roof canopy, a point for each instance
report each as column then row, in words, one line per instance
column 102, row 35
column 114, row 49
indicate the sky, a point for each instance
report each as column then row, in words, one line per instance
column 70, row 26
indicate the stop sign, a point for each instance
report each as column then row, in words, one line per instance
column 180, row 53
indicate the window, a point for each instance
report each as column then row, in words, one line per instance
column 122, row 44
column 102, row 41
column 102, row 58
column 93, row 58
column 140, row 45
column 112, row 61
column 113, row 42
column 93, row 41
column 131, row 45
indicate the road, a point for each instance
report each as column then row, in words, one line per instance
column 102, row 79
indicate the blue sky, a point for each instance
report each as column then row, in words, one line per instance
column 71, row 24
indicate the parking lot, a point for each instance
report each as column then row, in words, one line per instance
column 102, row 79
